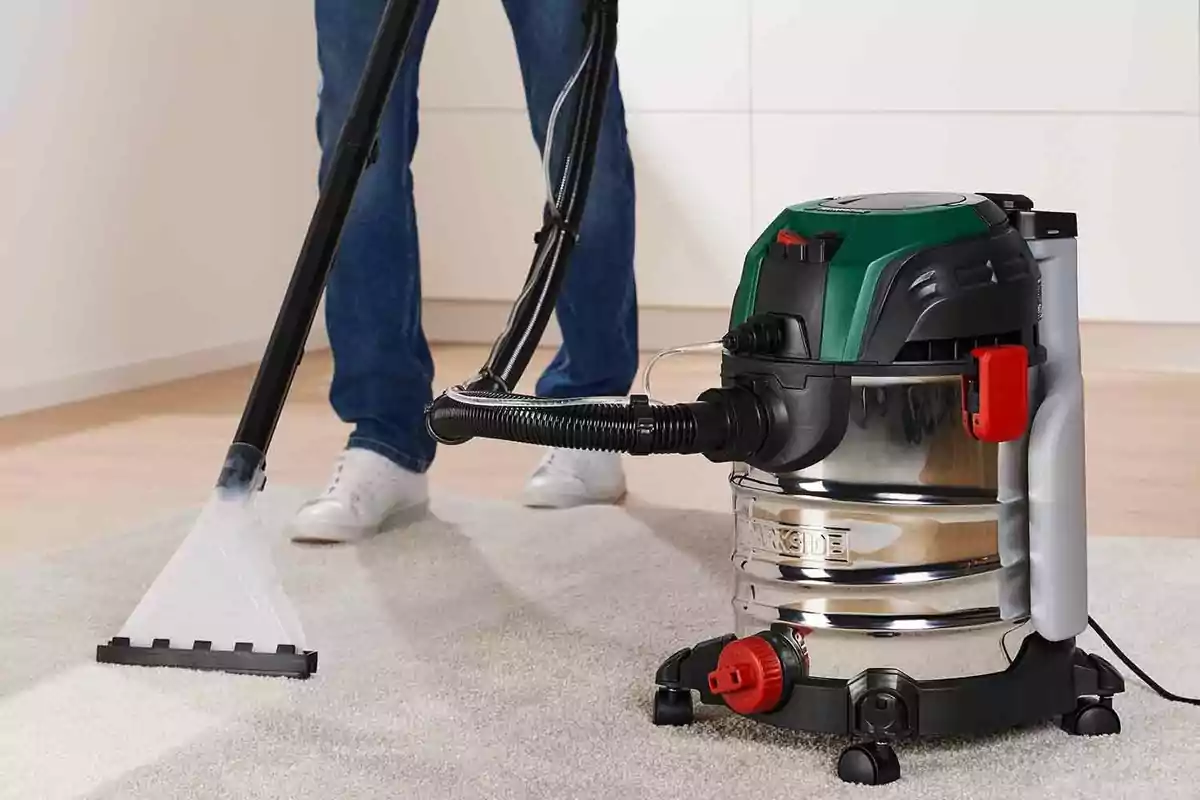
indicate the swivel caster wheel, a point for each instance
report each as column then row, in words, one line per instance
column 869, row 763
column 673, row 707
column 1092, row 718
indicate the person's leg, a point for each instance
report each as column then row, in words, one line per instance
column 382, row 367
column 597, row 307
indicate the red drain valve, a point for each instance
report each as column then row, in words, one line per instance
column 749, row 676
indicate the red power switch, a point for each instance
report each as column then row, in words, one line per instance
column 789, row 238
column 996, row 398
column 749, row 676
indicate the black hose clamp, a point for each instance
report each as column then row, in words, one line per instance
column 553, row 224
column 643, row 425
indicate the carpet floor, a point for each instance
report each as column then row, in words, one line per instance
column 493, row 652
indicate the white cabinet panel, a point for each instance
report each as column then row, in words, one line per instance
column 479, row 200
column 672, row 55
column 691, row 55
column 1116, row 55
column 1130, row 179
column 694, row 201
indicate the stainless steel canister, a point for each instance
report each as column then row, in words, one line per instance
column 905, row 548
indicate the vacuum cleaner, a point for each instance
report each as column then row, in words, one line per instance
column 901, row 403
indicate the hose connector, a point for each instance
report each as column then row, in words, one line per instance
column 769, row 335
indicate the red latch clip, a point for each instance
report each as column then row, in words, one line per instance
column 996, row 398
column 727, row 680
column 787, row 237
column 749, row 676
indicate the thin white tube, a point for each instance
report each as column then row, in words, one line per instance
column 461, row 395
column 699, row 347
column 558, row 104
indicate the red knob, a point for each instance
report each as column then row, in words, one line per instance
column 996, row 399
column 749, row 676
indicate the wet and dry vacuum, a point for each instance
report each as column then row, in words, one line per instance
column 902, row 402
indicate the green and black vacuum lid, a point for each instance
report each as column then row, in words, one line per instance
column 895, row 277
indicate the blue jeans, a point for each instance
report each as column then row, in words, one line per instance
column 382, row 365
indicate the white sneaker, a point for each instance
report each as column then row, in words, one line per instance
column 569, row 478
column 367, row 492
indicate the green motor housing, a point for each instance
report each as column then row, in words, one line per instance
column 897, row 284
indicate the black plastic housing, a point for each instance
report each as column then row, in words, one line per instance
column 791, row 282
column 807, row 412
column 976, row 289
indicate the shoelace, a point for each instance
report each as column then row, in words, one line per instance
column 553, row 463
column 354, row 497
column 337, row 476
column 548, row 464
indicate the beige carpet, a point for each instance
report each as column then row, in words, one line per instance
column 494, row 652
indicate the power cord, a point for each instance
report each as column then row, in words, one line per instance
column 1137, row 670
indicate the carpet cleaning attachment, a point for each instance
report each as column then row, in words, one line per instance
column 901, row 398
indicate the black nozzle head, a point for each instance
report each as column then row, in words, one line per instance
column 285, row 662
column 244, row 469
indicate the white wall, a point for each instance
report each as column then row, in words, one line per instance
column 156, row 174
column 157, row 158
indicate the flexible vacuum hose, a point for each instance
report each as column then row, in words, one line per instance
column 719, row 420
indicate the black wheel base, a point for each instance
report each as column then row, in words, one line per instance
column 1092, row 718
column 869, row 763
column 880, row 707
column 673, row 707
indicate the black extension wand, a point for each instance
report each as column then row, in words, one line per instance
column 245, row 461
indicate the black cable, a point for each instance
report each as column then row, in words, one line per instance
column 1004, row 642
column 1138, row 671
